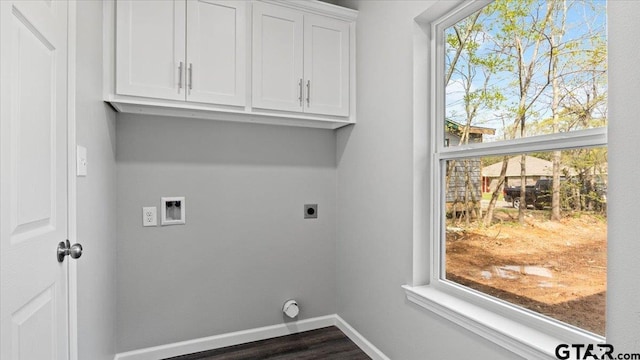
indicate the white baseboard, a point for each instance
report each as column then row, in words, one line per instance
column 245, row 336
column 364, row 344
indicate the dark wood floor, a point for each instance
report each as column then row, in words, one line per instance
column 327, row 344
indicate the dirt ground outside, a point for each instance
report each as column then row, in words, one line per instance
column 554, row 268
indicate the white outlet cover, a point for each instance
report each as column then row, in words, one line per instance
column 149, row 216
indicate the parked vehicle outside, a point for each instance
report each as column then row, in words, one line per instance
column 538, row 195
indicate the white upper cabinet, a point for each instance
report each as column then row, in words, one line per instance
column 277, row 58
column 191, row 50
column 326, row 65
column 151, row 47
column 300, row 61
column 216, row 43
column 262, row 61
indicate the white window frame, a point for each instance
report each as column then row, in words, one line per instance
column 522, row 331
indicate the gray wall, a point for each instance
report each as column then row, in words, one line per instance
column 375, row 181
column 96, row 203
column 374, row 201
column 245, row 248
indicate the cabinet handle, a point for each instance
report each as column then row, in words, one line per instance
column 308, row 91
column 300, row 96
column 190, row 76
column 180, row 76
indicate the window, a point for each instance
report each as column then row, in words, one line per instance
column 519, row 171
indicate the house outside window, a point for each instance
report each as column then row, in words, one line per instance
column 519, row 171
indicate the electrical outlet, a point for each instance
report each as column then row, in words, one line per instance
column 149, row 216
column 311, row 211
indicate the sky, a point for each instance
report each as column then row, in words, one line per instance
column 582, row 18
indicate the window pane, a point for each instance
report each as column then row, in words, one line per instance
column 550, row 261
column 503, row 81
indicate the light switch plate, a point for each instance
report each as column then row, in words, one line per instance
column 81, row 161
column 149, row 216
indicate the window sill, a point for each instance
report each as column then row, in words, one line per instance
column 512, row 335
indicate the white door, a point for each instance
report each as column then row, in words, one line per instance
column 33, row 174
column 216, row 52
column 150, row 54
column 277, row 58
column 326, row 66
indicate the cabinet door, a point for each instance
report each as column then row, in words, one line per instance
column 326, row 66
column 277, row 58
column 150, row 38
column 216, row 52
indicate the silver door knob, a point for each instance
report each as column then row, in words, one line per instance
column 75, row 251
column 65, row 248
